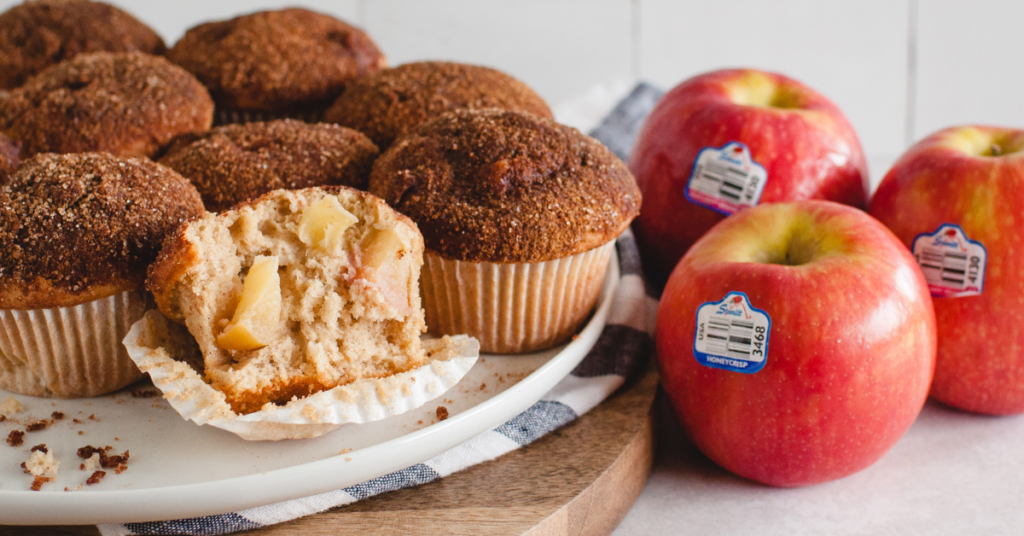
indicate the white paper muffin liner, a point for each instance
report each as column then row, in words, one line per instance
column 168, row 353
column 513, row 308
column 69, row 352
column 229, row 116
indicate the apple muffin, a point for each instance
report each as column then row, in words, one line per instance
column 36, row 35
column 126, row 104
column 295, row 293
column 394, row 101
column 274, row 64
column 77, row 232
column 235, row 163
column 519, row 216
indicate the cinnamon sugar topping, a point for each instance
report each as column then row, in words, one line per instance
column 85, row 226
column 497, row 186
column 236, row 163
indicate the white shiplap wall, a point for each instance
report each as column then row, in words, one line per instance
column 900, row 69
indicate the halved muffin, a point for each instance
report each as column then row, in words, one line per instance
column 295, row 293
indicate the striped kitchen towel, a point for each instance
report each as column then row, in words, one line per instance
column 621, row 349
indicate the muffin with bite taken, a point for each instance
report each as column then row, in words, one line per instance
column 297, row 292
column 394, row 101
column 519, row 217
column 276, row 64
column 77, row 233
column 126, row 104
column 235, row 163
column 42, row 33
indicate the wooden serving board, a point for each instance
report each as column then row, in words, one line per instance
column 581, row 479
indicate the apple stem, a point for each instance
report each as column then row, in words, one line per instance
column 995, row 150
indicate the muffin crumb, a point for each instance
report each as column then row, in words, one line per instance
column 442, row 413
column 10, row 406
column 16, row 438
column 96, row 477
column 42, row 466
column 117, row 462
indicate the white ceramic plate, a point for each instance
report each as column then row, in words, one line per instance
column 180, row 470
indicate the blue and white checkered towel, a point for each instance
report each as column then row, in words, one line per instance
column 622, row 347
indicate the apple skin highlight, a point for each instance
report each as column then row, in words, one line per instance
column 804, row 142
column 953, row 176
column 852, row 343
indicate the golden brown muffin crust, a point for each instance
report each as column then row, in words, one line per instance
column 36, row 35
column 79, row 227
column 124, row 103
column 394, row 101
column 8, row 157
column 498, row 186
column 276, row 60
column 235, row 163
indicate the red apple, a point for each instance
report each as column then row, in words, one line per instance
column 796, row 342
column 959, row 194
column 805, row 147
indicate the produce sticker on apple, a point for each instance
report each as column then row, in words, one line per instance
column 732, row 334
column 726, row 179
column 953, row 265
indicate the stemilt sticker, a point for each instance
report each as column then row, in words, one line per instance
column 953, row 265
column 732, row 334
column 726, row 179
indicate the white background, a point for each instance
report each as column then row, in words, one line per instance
column 900, row 69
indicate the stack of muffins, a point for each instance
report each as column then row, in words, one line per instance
column 518, row 214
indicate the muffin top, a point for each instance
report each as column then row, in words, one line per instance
column 277, row 60
column 36, row 35
column 235, row 163
column 80, row 227
column 123, row 103
column 8, row 157
column 499, row 186
column 394, row 101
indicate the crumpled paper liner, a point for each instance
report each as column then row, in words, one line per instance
column 513, row 308
column 169, row 354
column 69, row 352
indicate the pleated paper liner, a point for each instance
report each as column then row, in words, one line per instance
column 223, row 116
column 168, row 353
column 70, row 352
column 513, row 308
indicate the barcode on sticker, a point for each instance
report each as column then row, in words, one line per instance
column 732, row 334
column 952, row 264
column 726, row 179
column 730, row 337
column 944, row 267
